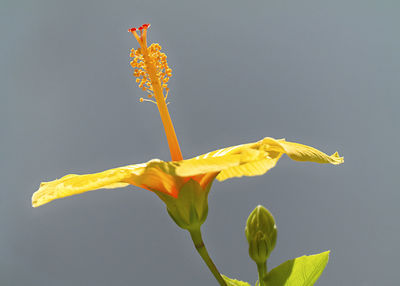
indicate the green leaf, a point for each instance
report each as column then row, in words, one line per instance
column 234, row 282
column 301, row 271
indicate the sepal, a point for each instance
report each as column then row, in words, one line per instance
column 189, row 210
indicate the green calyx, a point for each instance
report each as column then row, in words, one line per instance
column 261, row 233
column 189, row 210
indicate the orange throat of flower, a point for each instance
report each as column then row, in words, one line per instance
column 152, row 74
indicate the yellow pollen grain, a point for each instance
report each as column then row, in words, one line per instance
column 159, row 59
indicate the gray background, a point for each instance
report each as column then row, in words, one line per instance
column 323, row 73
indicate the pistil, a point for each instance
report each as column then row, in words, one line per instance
column 155, row 78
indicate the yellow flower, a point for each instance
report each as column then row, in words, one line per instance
column 167, row 179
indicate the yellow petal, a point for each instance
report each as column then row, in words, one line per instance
column 251, row 159
column 301, row 152
column 155, row 175
column 236, row 161
column 75, row 184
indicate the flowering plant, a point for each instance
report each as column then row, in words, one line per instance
column 183, row 185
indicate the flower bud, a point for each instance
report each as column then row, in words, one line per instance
column 261, row 233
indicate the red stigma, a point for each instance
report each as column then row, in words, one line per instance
column 144, row 26
column 141, row 28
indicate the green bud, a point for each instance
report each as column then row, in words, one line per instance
column 261, row 233
column 189, row 210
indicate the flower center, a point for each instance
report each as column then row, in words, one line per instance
column 152, row 74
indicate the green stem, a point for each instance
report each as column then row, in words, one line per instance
column 201, row 249
column 262, row 271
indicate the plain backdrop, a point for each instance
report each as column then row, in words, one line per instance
column 322, row 73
